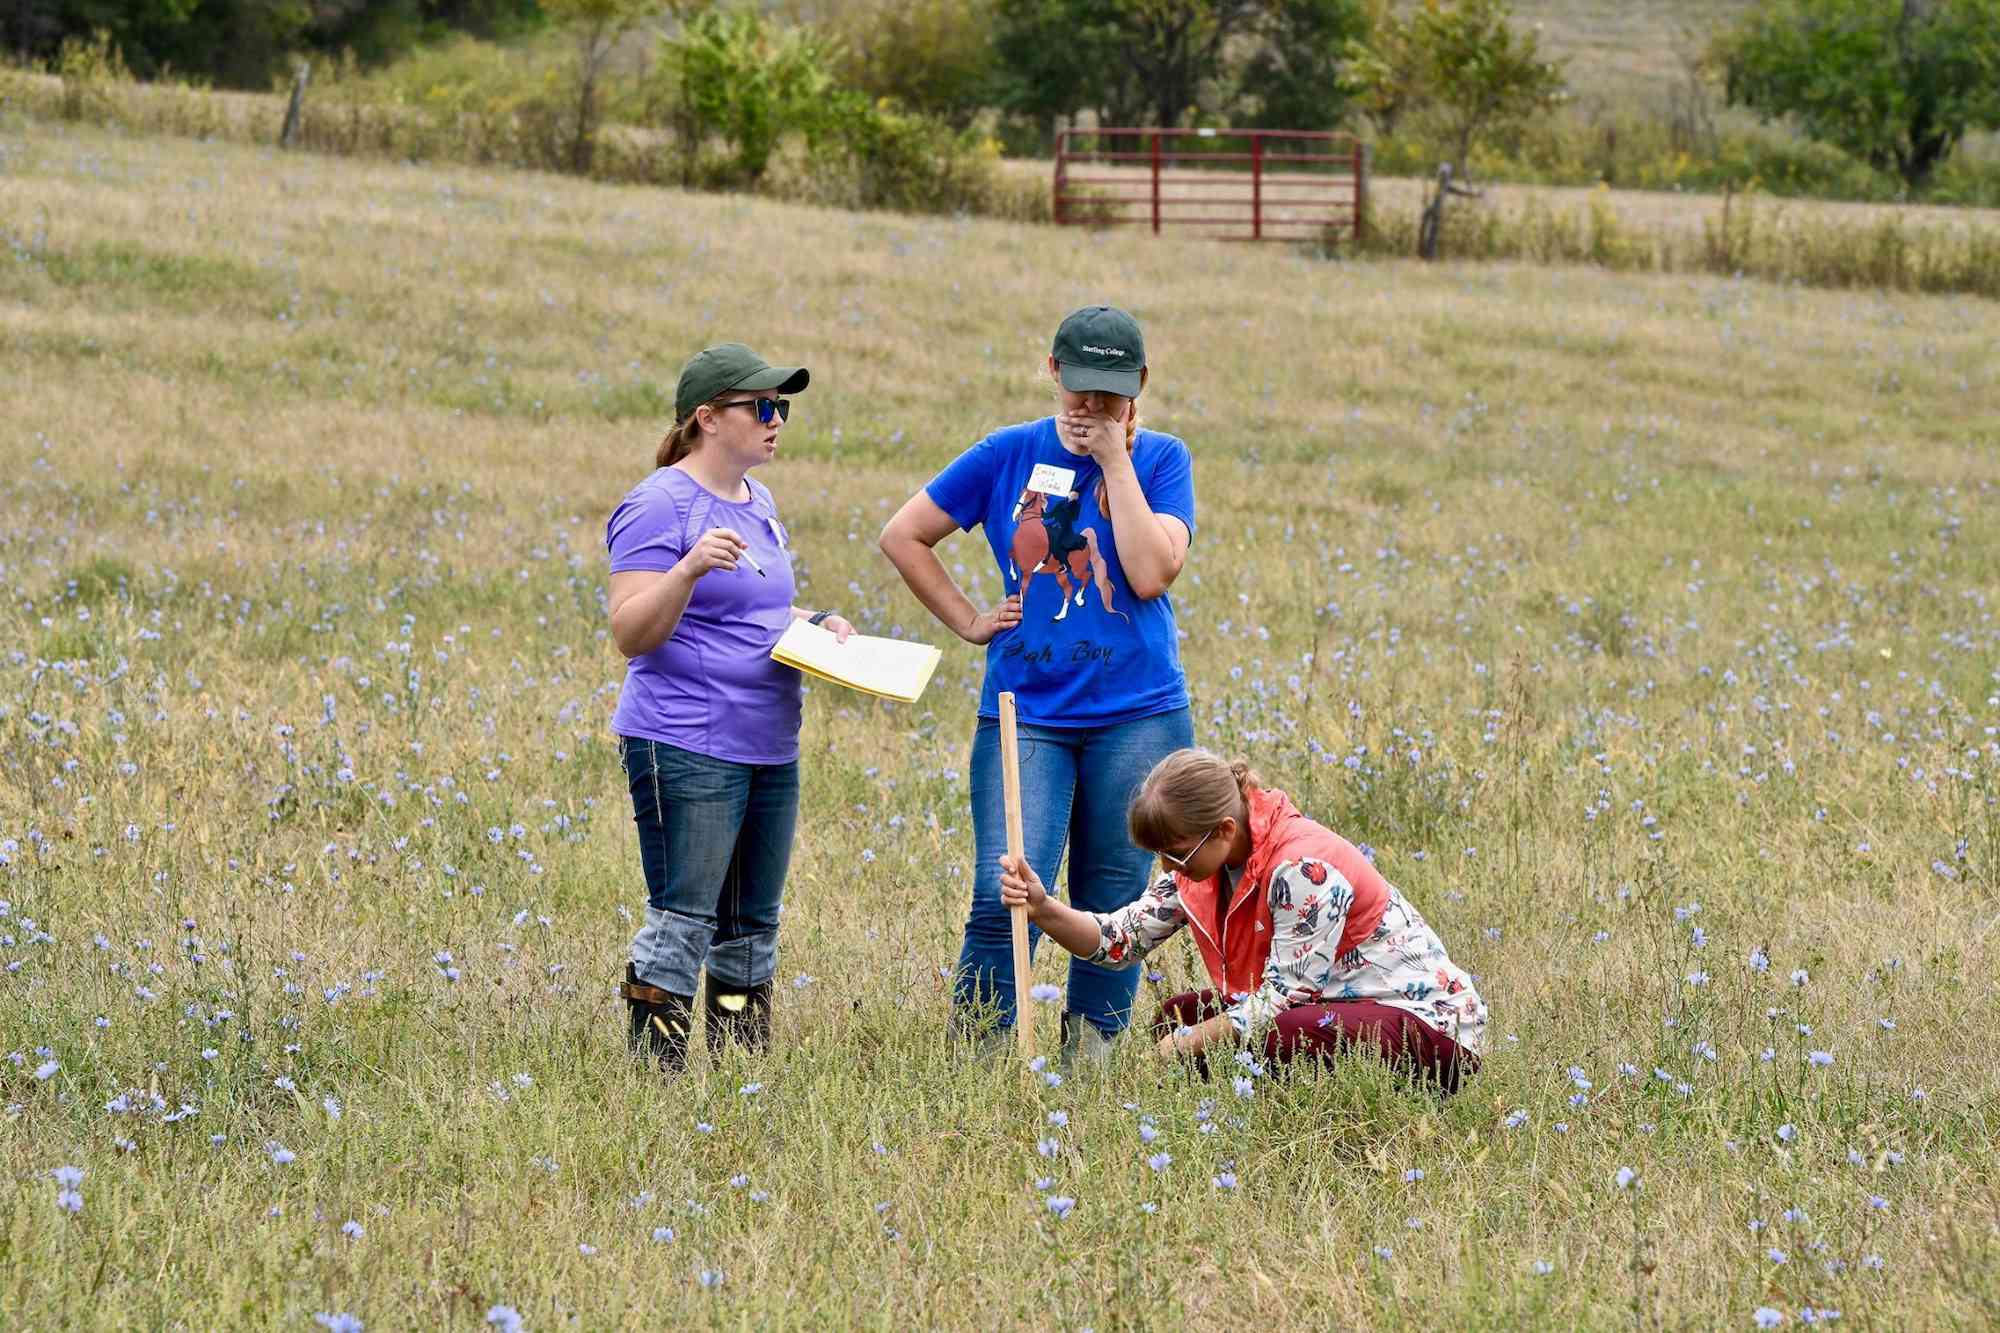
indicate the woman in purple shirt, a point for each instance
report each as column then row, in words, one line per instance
column 708, row 724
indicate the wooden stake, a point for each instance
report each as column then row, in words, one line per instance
column 1010, row 781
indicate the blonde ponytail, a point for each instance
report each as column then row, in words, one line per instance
column 1246, row 777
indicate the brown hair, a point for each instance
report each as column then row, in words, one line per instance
column 680, row 441
column 1187, row 794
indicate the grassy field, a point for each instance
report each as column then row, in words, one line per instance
column 1619, row 49
column 1644, row 626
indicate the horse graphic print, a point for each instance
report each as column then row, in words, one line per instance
column 1049, row 538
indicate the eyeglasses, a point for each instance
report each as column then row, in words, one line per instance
column 1181, row 862
column 768, row 409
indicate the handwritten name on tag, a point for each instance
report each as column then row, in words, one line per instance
column 1049, row 479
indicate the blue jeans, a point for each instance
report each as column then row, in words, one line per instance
column 1076, row 783
column 715, row 839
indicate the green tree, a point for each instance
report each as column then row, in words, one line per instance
column 241, row 43
column 231, row 42
column 1294, row 81
column 1384, row 71
column 1896, row 83
column 1056, row 58
column 1174, row 46
column 380, row 30
column 743, row 80
column 595, row 27
column 1129, row 60
column 931, row 56
column 1463, row 63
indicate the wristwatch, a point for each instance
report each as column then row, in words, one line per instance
column 817, row 617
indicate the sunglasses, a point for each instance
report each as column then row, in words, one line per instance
column 1181, row 862
column 768, row 409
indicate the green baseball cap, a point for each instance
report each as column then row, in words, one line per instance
column 714, row 371
column 1100, row 348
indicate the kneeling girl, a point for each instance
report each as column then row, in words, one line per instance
column 1308, row 948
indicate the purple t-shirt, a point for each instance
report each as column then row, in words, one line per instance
column 711, row 687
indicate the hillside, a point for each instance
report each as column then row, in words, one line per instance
column 1643, row 627
column 1618, row 50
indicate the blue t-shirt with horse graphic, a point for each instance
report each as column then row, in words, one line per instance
column 1088, row 652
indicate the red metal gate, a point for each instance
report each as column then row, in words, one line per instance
column 1243, row 185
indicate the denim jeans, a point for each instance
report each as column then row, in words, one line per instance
column 1076, row 783
column 715, row 839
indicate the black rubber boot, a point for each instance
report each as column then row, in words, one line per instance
column 737, row 1014
column 661, row 1021
column 1083, row 1043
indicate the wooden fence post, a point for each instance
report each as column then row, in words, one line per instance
column 1062, row 177
column 296, row 106
column 1256, row 185
column 1156, row 182
column 1360, row 191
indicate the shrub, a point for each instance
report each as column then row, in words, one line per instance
column 729, row 75
column 933, row 57
column 89, row 69
column 875, row 156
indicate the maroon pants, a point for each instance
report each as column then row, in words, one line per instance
column 1320, row 1031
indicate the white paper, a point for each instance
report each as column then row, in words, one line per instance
column 891, row 668
column 1049, row 479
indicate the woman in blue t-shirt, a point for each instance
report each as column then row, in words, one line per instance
column 1089, row 519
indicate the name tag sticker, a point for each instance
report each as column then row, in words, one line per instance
column 1049, row 479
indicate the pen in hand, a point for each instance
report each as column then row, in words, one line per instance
column 745, row 554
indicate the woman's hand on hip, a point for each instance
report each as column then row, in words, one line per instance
column 718, row 548
column 1020, row 886
column 988, row 624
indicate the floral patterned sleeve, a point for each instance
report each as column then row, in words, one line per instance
column 1309, row 905
column 1142, row 925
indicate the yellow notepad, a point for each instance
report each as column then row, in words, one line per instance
column 887, row 668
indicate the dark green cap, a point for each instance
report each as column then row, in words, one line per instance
column 714, row 371
column 1100, row 348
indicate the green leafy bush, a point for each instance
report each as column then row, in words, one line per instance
column 1895, row 84
column 89, row 68
column 731, row 76
column 932, row 57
